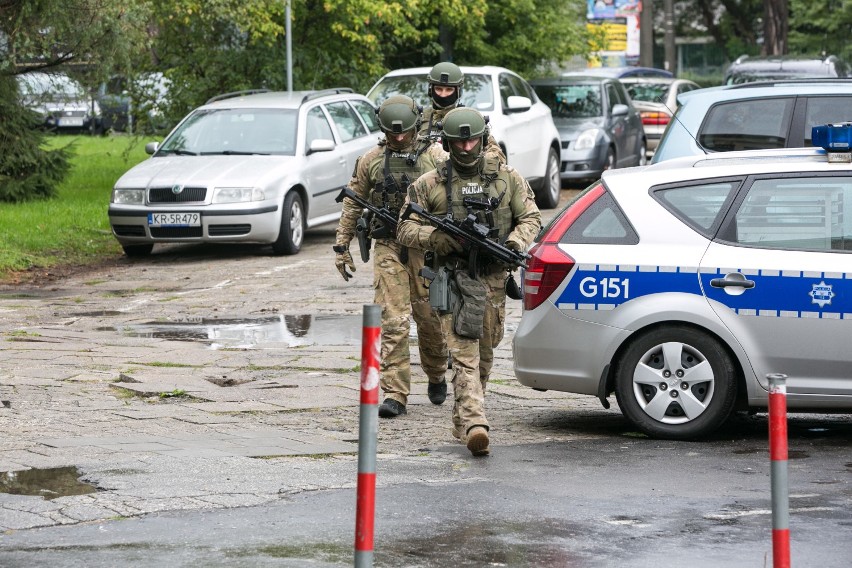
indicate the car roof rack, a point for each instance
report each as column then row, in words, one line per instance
column 801, row 81
column 324, row 92
column 235, row 94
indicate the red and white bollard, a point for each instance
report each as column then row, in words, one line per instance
column 778, row 472
column 368, row 432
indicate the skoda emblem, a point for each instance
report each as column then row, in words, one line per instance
column 177, row 189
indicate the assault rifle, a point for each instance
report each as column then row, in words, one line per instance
column 473, row 236
column 383, row 214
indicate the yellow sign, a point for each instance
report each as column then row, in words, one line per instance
column 613, row 34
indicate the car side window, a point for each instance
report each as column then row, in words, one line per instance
column 344, row 117
column 506, row 89
column 612, row 97
column 826, row 110
column 701, row 206
column 797, row 214
column 602, row 223
column 747, row 124
column 318, row 127
column 367, row 114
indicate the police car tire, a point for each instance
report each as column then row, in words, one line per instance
column 722, row 392
column 292, row 231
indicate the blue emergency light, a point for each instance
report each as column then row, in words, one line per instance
column 833, row 137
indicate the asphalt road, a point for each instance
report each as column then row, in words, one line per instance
column 200, row 408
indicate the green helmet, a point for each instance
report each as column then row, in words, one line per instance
column 464, row 123
column 398, row 114
column 445, row 74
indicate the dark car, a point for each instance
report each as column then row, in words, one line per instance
column 625, row 71
column 134, row 104
column 598, row 126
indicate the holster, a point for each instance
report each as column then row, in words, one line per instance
column 443, row 295
column 362, row 231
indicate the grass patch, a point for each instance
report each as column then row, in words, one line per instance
column 173, row 393
column 72, row 228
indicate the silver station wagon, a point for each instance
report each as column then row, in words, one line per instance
column 681, row 285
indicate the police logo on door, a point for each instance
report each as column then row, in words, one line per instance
column 821, row 294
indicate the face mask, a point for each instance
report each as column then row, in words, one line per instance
column 393, row 144
column 466, row 159
column 444, row 102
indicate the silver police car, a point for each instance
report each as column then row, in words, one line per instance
column 681, row 285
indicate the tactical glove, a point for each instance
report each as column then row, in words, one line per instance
column 343, row 260
column 513, row 245
column 443, row 244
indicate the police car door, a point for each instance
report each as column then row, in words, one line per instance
column 779, row 275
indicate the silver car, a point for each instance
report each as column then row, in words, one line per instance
column 681, row 285
column 245, row 168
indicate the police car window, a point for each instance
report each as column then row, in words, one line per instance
column 700, row 206
column 367, row 114
column 348, row 125
column 747, row 125
column 602, row 223
column 826, row 110
column 797, row 214
column 317, row 127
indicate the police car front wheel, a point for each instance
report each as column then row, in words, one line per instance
column 676, row 382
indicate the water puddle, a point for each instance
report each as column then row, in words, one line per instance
column 252, row 333
column 49, row 483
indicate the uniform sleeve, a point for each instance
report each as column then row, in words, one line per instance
column 414, row 232
column 525, row 213
column 493, row 149
column 360, row 184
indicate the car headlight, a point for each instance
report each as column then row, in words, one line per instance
column 128, row 196
column 237, row 194
column 587, row 138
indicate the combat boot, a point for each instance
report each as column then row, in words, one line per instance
column 390, row 408
column 477, row 441
column 437, row 392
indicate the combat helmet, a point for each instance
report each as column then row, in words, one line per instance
column 448, row 75
column 398, row 114
column 464, row 123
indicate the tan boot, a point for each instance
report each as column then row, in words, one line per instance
column 477, row 441
column 458, row 433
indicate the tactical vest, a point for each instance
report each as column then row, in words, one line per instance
column 394, row 172
column 492, row 182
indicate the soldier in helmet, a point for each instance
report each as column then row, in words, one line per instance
column 445, row 91
column 475, row 326
column 382, row 176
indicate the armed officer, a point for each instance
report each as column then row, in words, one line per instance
column 471, row 182
column 382, row 176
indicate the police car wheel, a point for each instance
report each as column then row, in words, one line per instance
column 292, row 231
column 676, row 382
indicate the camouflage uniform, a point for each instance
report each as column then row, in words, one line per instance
column 398, row 287
column 517, row 219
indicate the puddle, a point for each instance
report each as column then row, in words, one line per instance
column 49, row 483
column 252, row 333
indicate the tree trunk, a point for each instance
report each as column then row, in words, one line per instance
column 775, row 14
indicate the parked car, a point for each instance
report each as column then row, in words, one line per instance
column 746, row 69
column 131, row 104
column 520, row 123
column 598, row 126
column 245, row 168
column 751, row 116
column 62, row 103
column 656, row 100
column 622, row 72
column 681, row 285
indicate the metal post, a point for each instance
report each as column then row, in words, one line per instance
column 289, row 41
column 368, row 431
column 778, row 472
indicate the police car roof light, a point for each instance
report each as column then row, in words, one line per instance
column 835, row 139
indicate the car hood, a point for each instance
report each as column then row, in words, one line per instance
column 207, row 171
column 570, row 128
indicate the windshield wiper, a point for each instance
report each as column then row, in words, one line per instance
column 178, row 152
column 234, row 153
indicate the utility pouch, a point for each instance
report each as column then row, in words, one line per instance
column 362, row 231
column 469, row 312
column 442, row 289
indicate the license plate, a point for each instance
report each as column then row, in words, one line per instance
column 71, row 121
column 174, row 219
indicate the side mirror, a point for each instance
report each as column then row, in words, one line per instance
column 518, row 104
column 620, row 110
column 321, row 145
column 151, row 147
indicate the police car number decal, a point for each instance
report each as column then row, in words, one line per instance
column 600, row 287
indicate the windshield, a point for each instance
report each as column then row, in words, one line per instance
column 50, row 87
column 651, row 92
column 477, row 91
column 578, row 100
column 235, row 131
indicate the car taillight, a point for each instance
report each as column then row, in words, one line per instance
column 549, row 265
column 655, row 118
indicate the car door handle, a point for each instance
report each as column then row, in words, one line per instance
column 735, row 279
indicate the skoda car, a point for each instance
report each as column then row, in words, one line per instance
column 245, row 168
column 519, row 121
column 680, row 286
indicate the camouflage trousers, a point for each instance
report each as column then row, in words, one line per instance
column 473, row 358
column 402, row 293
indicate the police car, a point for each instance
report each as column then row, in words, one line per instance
column 680, row 286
